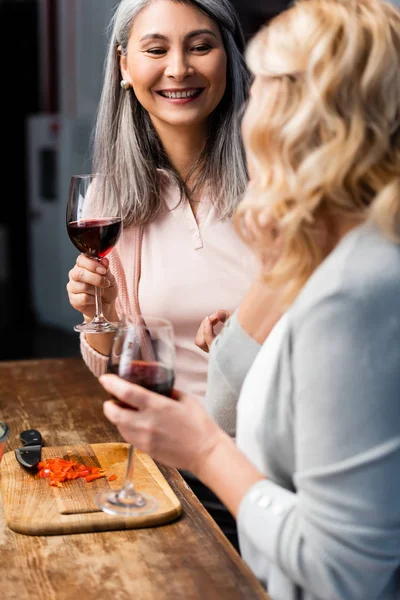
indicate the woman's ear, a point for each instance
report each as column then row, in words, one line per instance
column 123, row 67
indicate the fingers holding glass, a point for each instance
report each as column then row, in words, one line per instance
column 143, row 353
column 83, row 279
column 94, row 225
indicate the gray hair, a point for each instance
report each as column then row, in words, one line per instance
column 125, row 142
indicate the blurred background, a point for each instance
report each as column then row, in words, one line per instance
column 52, row 54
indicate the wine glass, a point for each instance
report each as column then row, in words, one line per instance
column 143, row 352
column 94, row 225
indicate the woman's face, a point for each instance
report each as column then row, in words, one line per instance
column 251, row 118
column 176, row 63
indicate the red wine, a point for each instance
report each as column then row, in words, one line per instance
column 151, row 375
column 94, row 237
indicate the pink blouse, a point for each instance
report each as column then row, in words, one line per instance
column 190, row 268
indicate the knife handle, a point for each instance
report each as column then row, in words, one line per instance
column 31, row 437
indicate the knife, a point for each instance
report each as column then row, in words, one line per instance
column 29, row 455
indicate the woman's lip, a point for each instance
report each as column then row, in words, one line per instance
column 181, row 100
column 177, row 90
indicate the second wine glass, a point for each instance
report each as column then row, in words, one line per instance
column 94, row 225
column 143, row 352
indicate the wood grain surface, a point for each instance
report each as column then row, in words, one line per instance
column 33, row 507
column 187, row 559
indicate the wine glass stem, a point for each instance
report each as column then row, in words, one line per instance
column 128, row 487
column 99, row 304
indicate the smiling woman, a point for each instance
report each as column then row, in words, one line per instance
column 168, row 130
column 178, row 76
column 162, row 46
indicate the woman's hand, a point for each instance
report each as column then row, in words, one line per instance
column 83, row 278
column 177, row 433
column 206, row 333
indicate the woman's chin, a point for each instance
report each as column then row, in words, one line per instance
column 180, row 120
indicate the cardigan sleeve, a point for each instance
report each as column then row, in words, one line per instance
column 96, row 362
column 231, row 356
column 338, row 536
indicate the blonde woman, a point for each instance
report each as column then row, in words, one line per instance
column 313, row 480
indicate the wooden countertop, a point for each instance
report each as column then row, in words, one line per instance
column 188, row 559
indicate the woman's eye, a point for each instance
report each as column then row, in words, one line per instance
column 202, row 48
column 156, row 51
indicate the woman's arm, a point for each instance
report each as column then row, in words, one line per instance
column 338, row 535
column 233, row 351
column 231, row 356
column 181, row 434
column 95, row 360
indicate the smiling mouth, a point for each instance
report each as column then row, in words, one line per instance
column 181, row 94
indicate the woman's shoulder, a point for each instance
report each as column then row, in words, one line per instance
column 365, row 266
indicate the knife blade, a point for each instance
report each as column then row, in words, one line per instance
column 29, row 455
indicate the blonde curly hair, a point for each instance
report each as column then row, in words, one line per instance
column 326, row 143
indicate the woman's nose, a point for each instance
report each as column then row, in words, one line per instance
column 179, row 66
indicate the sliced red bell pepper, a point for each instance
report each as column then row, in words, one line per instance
column 59, row 470
column 93, row 477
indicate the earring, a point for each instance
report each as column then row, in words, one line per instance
column 125, row 84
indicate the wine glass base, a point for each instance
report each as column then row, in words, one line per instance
column 97, row 327
column 136, row 505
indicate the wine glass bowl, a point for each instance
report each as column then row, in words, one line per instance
column 94, row 226
column 94, row 237
column 143, row 352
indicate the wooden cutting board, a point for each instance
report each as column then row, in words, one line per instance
column 32, row 507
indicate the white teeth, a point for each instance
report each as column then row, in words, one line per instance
column 177, row 95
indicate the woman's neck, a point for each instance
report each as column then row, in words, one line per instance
column 182, row 145
column 337, row 229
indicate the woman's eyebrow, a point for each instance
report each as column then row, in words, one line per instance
column 200, row 32
column 159, row 36
column 153, row 36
